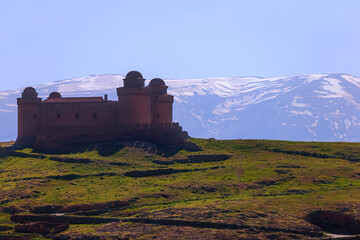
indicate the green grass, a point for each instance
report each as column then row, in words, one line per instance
column 254, row 180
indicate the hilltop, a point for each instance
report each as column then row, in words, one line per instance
column 231, row 189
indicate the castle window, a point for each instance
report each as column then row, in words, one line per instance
column 58, row 116
column 77, row 116
column 35, row 116
column 156, row 97
column 158, row 116
column 95, row 115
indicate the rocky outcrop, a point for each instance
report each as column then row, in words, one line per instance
column 12, row 209
column 162, row 171
column 26, row 218
column 167, row 222
column 71, row 176
column 208, row 158
column 70, row 160
column 4, row 228
column 155, row 172
column 49, row 208
column 195, row 159
column 334, row 222
column 95, row 206
column 41, row 227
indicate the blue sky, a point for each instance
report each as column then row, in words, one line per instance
column 48, row 40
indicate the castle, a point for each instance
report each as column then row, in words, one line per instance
column 59, row 123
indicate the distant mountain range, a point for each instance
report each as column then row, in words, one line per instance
column 307, row 107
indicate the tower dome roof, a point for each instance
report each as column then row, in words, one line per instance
column 134, row 75
column 55, row 95
column 29, row 90
column 29, row 93
column 156, row 82
column 157, row 86
column 134, row 79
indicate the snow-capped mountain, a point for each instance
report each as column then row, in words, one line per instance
column 310, row 107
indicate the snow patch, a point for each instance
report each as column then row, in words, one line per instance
column 294, row 103
column 313, row 77
column 347, row 123
column 337, row 114
column 355, row 121
column 311, row 131
column 96, row 83
column 315, row 123
column 332, row 88
column 246, row 100
column 353, row 80
column 233, row 118
column 306, row 112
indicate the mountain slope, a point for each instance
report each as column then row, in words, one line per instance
column 311, row 107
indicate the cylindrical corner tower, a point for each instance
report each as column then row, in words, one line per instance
column 134, row 100
column 161, row 103
column 29, row 106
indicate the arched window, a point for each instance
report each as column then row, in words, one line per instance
column 94, row 115
column 58, row 116
column 77, row 116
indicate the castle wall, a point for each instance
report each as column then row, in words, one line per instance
column 78, row 113
column 57, row 124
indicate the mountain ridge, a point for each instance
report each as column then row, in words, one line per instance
column 302, row 107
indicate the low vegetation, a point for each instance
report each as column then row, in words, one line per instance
column 247, row 189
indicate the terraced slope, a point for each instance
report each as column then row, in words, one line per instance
column 250, row 189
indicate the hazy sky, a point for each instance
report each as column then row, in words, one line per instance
column 48, row 40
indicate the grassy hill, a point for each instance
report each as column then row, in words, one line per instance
column 250, row 189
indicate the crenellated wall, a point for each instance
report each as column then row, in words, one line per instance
column 50, row 138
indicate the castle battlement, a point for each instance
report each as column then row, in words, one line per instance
column 140, row 113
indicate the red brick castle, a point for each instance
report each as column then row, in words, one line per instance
column 58, row 123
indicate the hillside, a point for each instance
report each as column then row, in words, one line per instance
column 241, row 189
column 304, row 107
